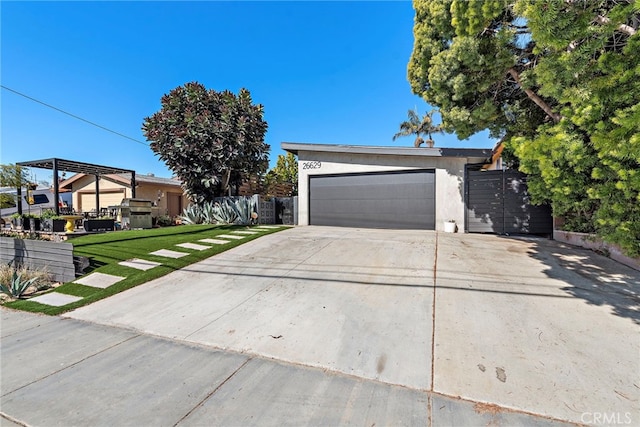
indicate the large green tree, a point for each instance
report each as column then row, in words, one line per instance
column 558, row 79
column 284, row 172
column 206, row 138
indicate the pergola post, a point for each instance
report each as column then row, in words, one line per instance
column 56, row 188
column 133, row 184
column 97, row 195
column 19, row 197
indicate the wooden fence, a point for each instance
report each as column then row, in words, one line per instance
column 54, row 257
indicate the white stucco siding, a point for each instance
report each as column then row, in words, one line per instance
column 449, row 176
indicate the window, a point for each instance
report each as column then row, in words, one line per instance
column 38, row 199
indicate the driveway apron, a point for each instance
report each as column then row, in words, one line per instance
column 352, row 301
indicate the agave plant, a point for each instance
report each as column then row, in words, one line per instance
column 16, row 286
column 245, row 207
column 192, row 214
column 208, row 211
column 226, row 212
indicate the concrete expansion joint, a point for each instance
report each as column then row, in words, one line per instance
column 11, row 419
column 213, row 391
column 487, row 407
column 433, row 314
column 71, row 365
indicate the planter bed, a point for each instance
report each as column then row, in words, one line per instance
column 590, row 241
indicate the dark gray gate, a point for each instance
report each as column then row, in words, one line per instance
column 399, row 199
column 498, row 202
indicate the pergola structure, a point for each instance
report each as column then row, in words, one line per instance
column 56, row 165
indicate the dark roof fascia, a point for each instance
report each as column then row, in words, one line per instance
column 73, row 166
column 294, row 147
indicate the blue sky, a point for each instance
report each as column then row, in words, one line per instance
column 326, row 72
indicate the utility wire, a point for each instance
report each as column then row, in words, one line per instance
column 74, row 116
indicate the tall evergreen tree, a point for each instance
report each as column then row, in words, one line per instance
column 559, row 80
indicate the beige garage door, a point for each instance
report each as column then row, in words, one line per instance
column 88, row 200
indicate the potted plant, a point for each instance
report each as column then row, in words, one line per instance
column 51, row 222
column 30, row 222
column 25, row 221
column 16, row 221
column 450, row 226
column 99, row 224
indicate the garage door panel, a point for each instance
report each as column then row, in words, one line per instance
column 374, row 200
column 370, row 191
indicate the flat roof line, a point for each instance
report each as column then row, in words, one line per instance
column 295, row 147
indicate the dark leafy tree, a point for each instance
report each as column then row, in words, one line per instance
column 418, row 127
column 207, row 138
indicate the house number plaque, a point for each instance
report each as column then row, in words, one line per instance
column 311, row 165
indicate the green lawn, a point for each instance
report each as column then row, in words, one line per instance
column 107, row 249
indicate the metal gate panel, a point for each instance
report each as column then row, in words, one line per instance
column 520, row 216
column 402, row 199
column 498, row 202
column 485, row 202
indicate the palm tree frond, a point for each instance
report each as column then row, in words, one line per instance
column 417, row 126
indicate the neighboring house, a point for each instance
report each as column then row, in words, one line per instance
column 165, row 193
column 400, row 187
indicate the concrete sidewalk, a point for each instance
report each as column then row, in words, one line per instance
column 64, row 372
column 328, row 326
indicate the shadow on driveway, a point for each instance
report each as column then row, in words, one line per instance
column 592, row 277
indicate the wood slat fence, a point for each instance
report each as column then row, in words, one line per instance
column 55, row 257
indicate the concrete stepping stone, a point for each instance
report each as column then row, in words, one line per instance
column 270, row 227
column 245, row 232
column 195, row 246
column 230, row 236
column 168, row 254
column 55, row 299
column 99, row 280
column 140, row 264
column 214, row 241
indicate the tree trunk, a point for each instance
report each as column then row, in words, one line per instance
column 602, row 20
column 225, row 181
column 535, row 98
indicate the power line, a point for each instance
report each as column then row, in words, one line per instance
column 74, row 116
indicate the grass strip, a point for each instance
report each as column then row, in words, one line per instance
column 106, row 250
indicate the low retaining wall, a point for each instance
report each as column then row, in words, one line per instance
column 55, row 257
column 590, row 241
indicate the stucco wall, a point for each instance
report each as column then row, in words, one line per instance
column 155, row 192
column 449, row 175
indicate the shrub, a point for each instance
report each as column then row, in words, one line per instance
column 15, row 281
column 164, row 221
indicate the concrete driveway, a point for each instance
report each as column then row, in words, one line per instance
column 321, row 325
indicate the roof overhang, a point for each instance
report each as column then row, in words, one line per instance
column 481, row 154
